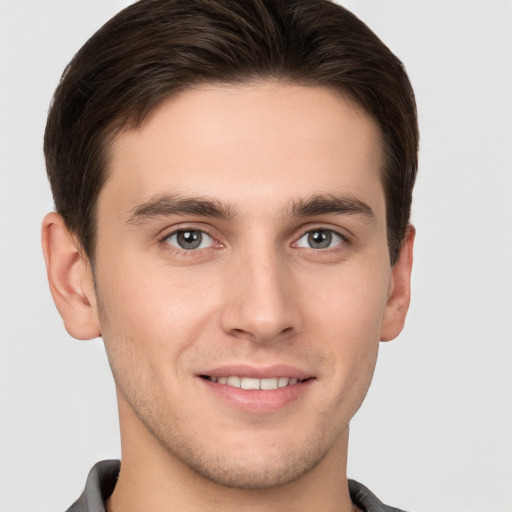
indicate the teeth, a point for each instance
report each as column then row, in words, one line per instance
column 251, row 383
column 283, row 382
column 248, row 383
column 268, row 383
column 234, row 381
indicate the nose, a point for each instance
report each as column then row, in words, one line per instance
column 261, row 300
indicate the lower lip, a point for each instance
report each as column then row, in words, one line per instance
column 257, row 400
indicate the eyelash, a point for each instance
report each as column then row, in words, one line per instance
column 187, row 252
column 342, row 239
column 197, row 251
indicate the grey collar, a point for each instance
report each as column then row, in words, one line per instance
column 103, row 478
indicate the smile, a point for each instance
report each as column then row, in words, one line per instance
column 267, row 384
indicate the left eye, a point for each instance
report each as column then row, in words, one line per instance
column 190, row 239
column 319, row 239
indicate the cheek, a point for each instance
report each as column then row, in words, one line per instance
column 348, row 312
column 350, row 301
column 154, row 309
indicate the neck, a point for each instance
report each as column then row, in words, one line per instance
column 153, row 479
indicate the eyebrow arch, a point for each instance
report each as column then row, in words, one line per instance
column 322, row 204
column 166, row 205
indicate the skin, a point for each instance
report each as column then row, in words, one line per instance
column 257, row 292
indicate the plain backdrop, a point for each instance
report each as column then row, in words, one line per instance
column 435, row 432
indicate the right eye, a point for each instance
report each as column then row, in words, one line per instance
column 190, row 239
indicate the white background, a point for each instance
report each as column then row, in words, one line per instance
column 435, row 433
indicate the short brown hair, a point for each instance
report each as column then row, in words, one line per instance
column 155, row 48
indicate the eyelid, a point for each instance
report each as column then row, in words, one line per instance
column 336, row 232
column 186, row 226
column 170, row 231
column 205, row 239
column 174, row 230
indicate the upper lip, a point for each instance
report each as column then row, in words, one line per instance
column 258, row 372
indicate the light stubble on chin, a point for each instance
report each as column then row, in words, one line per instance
column 249, row 469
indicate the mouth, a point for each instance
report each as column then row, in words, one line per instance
column 251, row 383
column 257, row 389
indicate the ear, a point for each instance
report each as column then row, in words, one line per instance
column 400, row 290
column 70, row 278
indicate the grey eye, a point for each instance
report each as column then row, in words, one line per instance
column 190, row 239
column 320, row 239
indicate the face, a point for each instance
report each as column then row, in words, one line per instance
column 243, row 277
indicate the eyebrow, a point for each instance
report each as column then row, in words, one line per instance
column 322, row 204
column 166, row 205
column 319, row 204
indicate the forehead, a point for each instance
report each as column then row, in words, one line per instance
column 248, row 143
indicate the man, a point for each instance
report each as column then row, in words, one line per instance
column 232, row 183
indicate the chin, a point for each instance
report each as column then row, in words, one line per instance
column 244, row 472
column 256, row 467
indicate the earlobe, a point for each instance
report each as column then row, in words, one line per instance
column 70, row 279
column 400, row 290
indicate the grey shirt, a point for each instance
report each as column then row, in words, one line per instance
column 103, row 477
